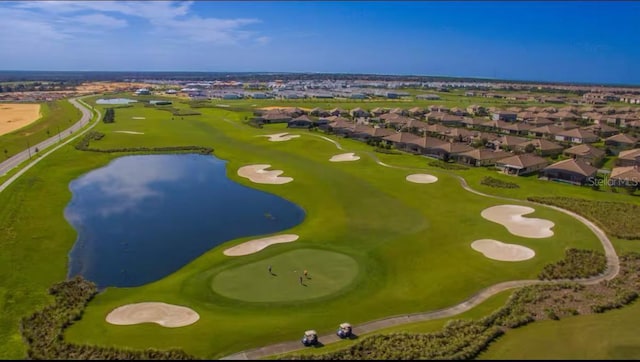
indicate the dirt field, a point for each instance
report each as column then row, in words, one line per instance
column 92, row 87
column 16, row 116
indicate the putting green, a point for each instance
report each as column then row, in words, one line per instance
column 329, row 272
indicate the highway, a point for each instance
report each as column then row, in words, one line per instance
column 19, row 158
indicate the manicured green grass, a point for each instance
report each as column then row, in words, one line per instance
column 328, row 272
column 411, row 241
column 612, row 335
column 57, row 115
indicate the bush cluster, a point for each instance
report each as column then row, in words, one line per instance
column 460, row 339
column 83, row 145
column 494, row 182
column 447, row 165
column 577, row 263
column 43, row 331
column 109, row 116
column 616, row 218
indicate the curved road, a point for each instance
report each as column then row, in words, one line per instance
column 23, row 156
column 613, row 267
column 19, row 158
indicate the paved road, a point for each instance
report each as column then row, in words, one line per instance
column 19, row 158
column 70, row 131
column 613, row 267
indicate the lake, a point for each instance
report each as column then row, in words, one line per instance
column 115, row 101
column 141, row 218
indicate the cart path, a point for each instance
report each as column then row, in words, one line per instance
column 613, row 267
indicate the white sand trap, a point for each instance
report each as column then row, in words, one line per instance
column 344, row 157
column 511, row 217
column 497, row 250
column 258, row 174
column 279, row 137
column 255, row 245
column 223, row 105
column 166, row 315
column 138, row 118
column 422, row 178
column 128, row 132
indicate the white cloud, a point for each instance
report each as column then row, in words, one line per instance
column 172, row 19
column 100, row 20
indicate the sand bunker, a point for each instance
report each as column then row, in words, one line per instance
column 255, row 245
column 497, row 250
column 129, row 132
column 223, row 105
column 166, row 315
column 258, row 174
column 138, row 118
column 279, row 137
column 16, row 116
column 511, row 217
column 344, row 157
column 422, row 178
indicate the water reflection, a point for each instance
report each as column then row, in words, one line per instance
column 142, row 217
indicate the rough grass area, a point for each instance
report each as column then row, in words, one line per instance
column 463, row 339
column 43, row 331
column 576, row 264
column 447, row 165
column 616, row 218
column 494, row 182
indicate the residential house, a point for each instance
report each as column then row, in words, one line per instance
column 338, row 112
column 300, row 122
column 573, row 171
column 620, row 142
column 378, row 111
column 538, row 121
column 586, row 153
column 543, row 147
column 508, row 143
column 493, row 126
column 358, row 112
column 341, row 126
column 472, row 122
column 548, row 131
column 456, row 111
column 504, row 116
column 404, row 141
column 629, row 158
column 566, row 125
column 522, row 164
column 476, row 110
column 602, row 130
column 625, row 176
column 319, row 112
column 274, row 116
column 517, row 128
column 447, row 150
column 481, row 157
column 577, row 135
column 364, row 132
column 416, row 111
column 452, row 120
column 457, row 135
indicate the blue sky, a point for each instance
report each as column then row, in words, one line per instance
column 547, row 41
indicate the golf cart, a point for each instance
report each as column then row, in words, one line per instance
column 344, row 331
column 310, row 338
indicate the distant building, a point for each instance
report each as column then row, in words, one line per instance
column 143, row 92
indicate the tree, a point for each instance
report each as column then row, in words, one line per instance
column 530, row 148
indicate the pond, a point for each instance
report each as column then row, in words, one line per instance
column 141, row 218
column 115, row 101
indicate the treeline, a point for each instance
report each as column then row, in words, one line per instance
column 84, row 143
column 577, row 263
column 43, row 331
column 494, row 182
column 616, row 218
column 463, row 339
column 36, row 87
column 109, row 116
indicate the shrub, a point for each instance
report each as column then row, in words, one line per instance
column 494, row 182
column 447, row 165
column 577, row 263
column 616, row 218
